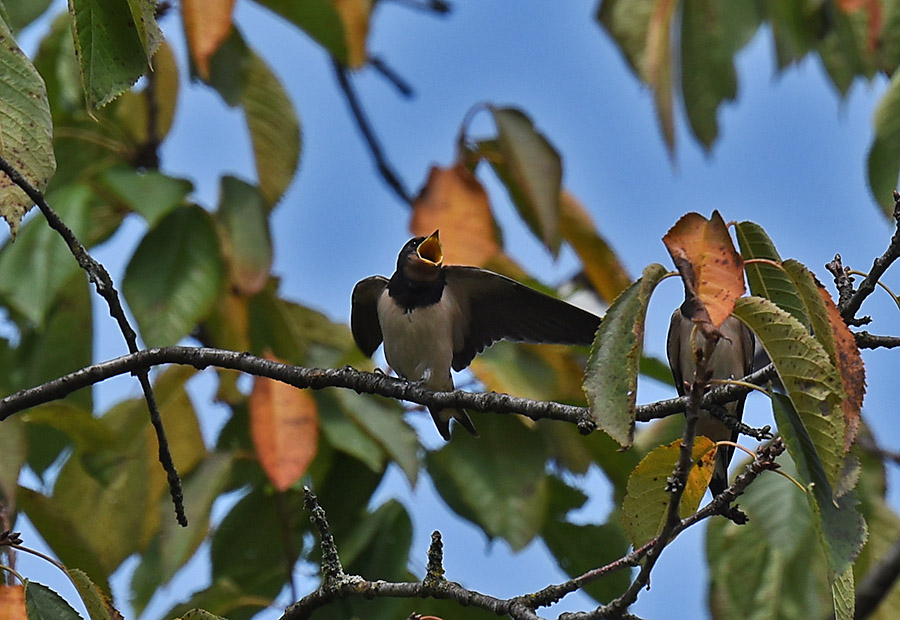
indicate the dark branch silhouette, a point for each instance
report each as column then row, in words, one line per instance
column 384, row 167
column 103, row 283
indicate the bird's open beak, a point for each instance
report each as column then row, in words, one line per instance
column 430, row 250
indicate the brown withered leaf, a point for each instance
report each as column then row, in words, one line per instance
column 710, row 267
column 284, row 425
column 454, row 201
column 601, row 265
column 206, row 25
column 850, row 365
column 12, row 602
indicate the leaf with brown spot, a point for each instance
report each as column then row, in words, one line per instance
column 601, row 265
column 849, row 364
column 206, row 26
column 710, row 267
column 646, row 504
column 454, row 201
column 354, row 16
column 284, row 424
column 12, row 603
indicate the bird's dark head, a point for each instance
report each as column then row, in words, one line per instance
column 421, row 258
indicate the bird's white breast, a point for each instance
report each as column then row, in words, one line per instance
column 418, row 344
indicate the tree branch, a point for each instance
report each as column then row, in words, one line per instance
column 849, row 306
column 359, row 381
column 337, row 585
column 104, row 285
column 865, row 340
column 384, row 168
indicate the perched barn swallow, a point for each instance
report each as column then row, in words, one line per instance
column 732, row 358
column 433, row 318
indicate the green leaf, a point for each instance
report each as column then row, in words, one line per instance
column 20, row 14
column 26, row 134
column 87, row 433
column 318, row 18
column 62, row 344
column 109, row 46
column 841, row 529
column 497, row 481
column 13, row 455
column 579, row 548
column 99, row 606
column 200, row 614
column 175, row 545
column 844, row 592
column 610, row 378
column 344, row 486
column 174, row 277
column 243, row 78
column 345, row 435
column 291, row 331
column 379, row 546
column 531, row 170
column 42, row 603
column 768, row 280
column 627, row 22
column 247, row 242
column 814, row 306
column 143, row 14
column 44, row 256
column 259, row 564
column 60, row 533
column 750, row 572
column 149, row 193
column 845, row 48
column 274, row 129
column 382, row 420
column 811, row 380
column 646, row 504
column 201, row 489
column 884, row 154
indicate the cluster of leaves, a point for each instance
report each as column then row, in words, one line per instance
column 204, row 272
column 696, row 41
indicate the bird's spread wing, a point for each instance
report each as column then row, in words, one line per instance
column 364, row 313
column 495, row 307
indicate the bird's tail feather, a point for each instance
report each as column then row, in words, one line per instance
column 442, row 419
column 719, row 480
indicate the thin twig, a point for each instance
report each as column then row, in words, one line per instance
column 387, row 172
column 388, row 73
column 103, row 283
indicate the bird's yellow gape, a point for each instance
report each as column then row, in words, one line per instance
column 430, row 250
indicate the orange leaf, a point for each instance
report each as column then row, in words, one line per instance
column 355, row 18
column 206, row 25
column 285, row 429
column 712, row 270
column 454, row 201
column 12, row 603
column 850, row 365
column 601, row 265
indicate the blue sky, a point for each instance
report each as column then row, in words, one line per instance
column 791, row 156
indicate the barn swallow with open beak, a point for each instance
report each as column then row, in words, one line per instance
column 432, row 318
column 732, row 358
